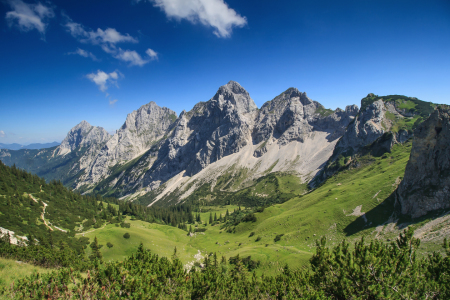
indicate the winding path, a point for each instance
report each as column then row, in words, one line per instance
column 104, row 225
column 43, row 215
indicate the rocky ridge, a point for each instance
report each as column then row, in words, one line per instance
column 142, row 129
column 297, row 134
column 157, row 155
column 381, row 123
column 83, row 135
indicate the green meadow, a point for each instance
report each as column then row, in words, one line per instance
column 11, row 270
column 333, row 210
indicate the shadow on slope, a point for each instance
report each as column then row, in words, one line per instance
column 388, row 212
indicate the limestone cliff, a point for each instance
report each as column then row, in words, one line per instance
column 83, row 135
column 156, row 152
column 380, row 123
column 289, row 133
column 142, row 129
column 426, row 184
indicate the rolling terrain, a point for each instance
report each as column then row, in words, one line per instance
column 356, row 202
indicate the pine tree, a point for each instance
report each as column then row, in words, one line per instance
column 50, row 238
column 210, row 218
column 174, row 255
column 96, row 254
column 215, row 217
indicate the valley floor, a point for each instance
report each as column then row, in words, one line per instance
column 356, row 202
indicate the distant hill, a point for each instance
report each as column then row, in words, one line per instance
column 16, row 146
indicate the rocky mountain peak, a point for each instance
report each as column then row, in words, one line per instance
column 236, row 94
column 147, row 116
column 82, row 135
column 83, row 124
column 352, row 109
column 295, row 94
column 142, row 129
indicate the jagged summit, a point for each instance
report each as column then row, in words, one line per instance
column 147, row 115
column 153, row 146
column 236, row 94
column 82, row 135
column 83, row 123
column 141, row 130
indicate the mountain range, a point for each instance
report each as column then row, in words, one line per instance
column 227, row 144
column 16, row 146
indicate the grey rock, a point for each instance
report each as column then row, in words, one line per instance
column 210, row 131
column 83, row 135
column 369, row 132
column 292, row 116
column 141, row 130
column 227, row 123
column 426, row 184
column 367, row 127
column 153, row 146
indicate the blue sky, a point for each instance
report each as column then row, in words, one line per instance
column 63, row 61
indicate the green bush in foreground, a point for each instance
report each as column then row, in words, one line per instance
column 366, row 271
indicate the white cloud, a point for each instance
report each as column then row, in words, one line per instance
column 110, row 35
column 114, row 75
column 104, row 80
column 29, row 16
column 2, row 133
column 107, row 40
column 130, row 56
column 111, row 102
column 214, row 13
column 84, row 53
column 99, row 37
column 152, row 54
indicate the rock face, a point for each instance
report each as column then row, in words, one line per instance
column 426, row 185
column 83, row 135
column 292, row 116
column 378, row 116
column 142, row 129
column 230, row 126
column 367, row 127
column 210, row 131
column 380, row 124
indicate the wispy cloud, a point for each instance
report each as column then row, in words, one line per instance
column 84, row 53
column 104, row 80
column 134, row 58
column 29, row 16
column 130, row 56
column 2, row 133
column 108, row 39
column 214, row 13
column 99, row 37
column 111, row 102
column 152, row 54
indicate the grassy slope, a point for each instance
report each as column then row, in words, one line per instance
column 303, row 219
column 11, row 270
column 159, row 238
